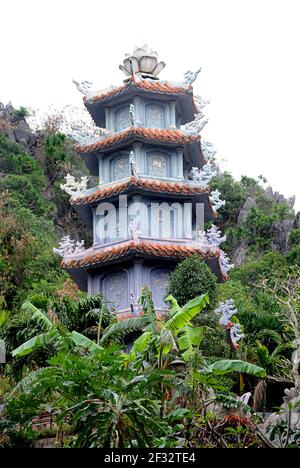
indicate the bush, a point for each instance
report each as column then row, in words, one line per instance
column 294, row 237
column 293, row 256
column 191, row 278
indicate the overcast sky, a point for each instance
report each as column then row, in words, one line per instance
column 248, row 51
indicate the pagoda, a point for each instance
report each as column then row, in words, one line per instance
column 148, row 210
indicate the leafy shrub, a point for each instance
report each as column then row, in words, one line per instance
column 191, row 278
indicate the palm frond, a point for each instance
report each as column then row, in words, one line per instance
column 270, row 335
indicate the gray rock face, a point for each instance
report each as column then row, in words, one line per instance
column 239, row 254
column 278, row 198
column 281, row 231
column 289, row 414
column 249, row 204
column 16, row 129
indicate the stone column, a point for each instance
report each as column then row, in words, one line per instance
column 108, row 119
column 173, row 115
column 138, row 111
column 138, row 158
column 137, row 277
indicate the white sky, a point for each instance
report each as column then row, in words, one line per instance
column 248, row 51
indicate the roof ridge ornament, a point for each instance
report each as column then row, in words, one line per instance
column 142, row 61
column 190, row 77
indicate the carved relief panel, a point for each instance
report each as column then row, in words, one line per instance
column 123, row 119
column 157, row 165
column 120, row 168
column 154, row 116
column 115, row 289
column 159, row 282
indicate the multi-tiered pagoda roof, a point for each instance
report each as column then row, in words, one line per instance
column 150, row 151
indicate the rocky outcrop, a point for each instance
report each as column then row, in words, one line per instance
column 279, row 198
column 16, row 128
column 245, row 211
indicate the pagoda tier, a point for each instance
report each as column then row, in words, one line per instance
column 125, row 267
column 166, row 191
column 99, row 103
column 152, row 199
column 188, row 145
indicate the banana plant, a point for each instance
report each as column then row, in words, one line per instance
column 177, row 333
column 54, row 333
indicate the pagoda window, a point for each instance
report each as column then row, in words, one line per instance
column 154, row 116
column 123, row 119
column 120, row 167
column 157, row 165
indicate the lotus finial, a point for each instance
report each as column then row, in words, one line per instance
column 142, row 61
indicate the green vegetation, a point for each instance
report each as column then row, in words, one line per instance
column 191, row 278
column 145, row 381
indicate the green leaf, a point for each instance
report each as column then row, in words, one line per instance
column 189, row 338
column 34, row 343
column 234, row 365
column 167, row 341
column 183, row 317
column 81, row 340
column 140, row 344
column 37, row 315
column 174, row 304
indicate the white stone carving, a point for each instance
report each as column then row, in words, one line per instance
column 132, row 163
column 84, row 86
column 79, row 247
column 190, row 77
column 72, row 187
column 200, row 102
column 195, row 126
column 225, row 264
column 132, row 114
column 211, row 240
column 216, row 201
column 214, row 236
column 236, row 333
column 208, row 150
column 68, row 246
column 144, row 61
column 226, row 310
column 203, row 176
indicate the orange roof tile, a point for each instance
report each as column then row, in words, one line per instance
column 174, row 137
column 171, row 251
column 152, row 86
column 143, row 184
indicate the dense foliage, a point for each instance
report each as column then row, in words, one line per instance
column 146, row 381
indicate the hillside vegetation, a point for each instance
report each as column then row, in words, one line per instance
column 179, row 385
